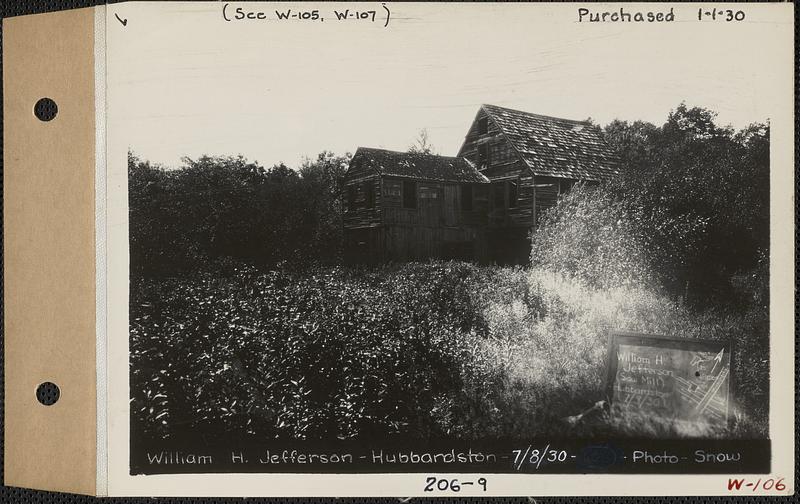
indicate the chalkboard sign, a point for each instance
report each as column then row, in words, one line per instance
column 679, row 379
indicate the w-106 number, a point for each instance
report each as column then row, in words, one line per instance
column 433, row 484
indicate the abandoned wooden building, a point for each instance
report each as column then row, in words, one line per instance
column 408, row 206
column 480, row 205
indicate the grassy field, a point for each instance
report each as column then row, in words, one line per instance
column 442, row 349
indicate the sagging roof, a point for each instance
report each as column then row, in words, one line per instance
column 419, row 166
column 556, row 147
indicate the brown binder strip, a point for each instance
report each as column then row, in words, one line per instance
column 49, row 265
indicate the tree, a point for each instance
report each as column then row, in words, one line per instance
column 422, row 145
column 700, row 192
column 322, row 182
column 216, row 212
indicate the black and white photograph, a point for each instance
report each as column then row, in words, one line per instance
column 435, row 237
column 399, row 250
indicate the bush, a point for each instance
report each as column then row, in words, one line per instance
column 414, row 350
column 332, row 353
column 590, row 236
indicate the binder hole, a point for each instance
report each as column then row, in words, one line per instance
column 45, row 109
column 47, row 393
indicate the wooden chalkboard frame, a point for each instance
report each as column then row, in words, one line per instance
column 615, row 338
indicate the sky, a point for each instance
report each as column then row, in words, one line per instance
column 182, row 81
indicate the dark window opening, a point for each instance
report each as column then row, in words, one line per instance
column 499, row 194
column 369, row 194
column 409, row 194
column 466, row 198
column 512, row 194
column 351, row 197
column 483, row 125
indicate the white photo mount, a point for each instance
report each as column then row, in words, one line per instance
column 66, row 232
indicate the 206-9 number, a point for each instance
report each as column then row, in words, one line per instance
column 453, row 485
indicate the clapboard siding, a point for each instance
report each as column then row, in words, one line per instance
column 437, row 204
column 359, row 214
column 404, row 243
column 497, row 159
column 547, row 192
column 490, row 151
column 413, row 218
column 439, row 225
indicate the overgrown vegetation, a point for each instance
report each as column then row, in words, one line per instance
column 218, row 212
column 243, row 322
column 592, row 258
column 419, row 350
column 698, row 196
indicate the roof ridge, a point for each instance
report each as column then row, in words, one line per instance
column 418, row 165
column 576, row 121
column 406, row 152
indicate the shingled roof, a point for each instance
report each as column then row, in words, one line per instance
column 419, row 166
column 556, row 147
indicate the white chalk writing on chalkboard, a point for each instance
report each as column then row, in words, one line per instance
column 672, row 379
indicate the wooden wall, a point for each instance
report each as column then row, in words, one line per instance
column 355, row 187
column 437, row 227
column 548, row 190
column 491, row 152
column 439, row 204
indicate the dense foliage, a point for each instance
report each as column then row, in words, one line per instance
column 416, row 350
column 329, row 353
column 698, row 194
column 217, row 212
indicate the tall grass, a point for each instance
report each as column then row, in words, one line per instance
column 552, row 345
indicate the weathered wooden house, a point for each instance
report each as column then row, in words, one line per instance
column 481, row 204
column 530, row 160
column 404, row 206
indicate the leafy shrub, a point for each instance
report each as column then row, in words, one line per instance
column 418, row 350
column 331, row 353
column 590, row 236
